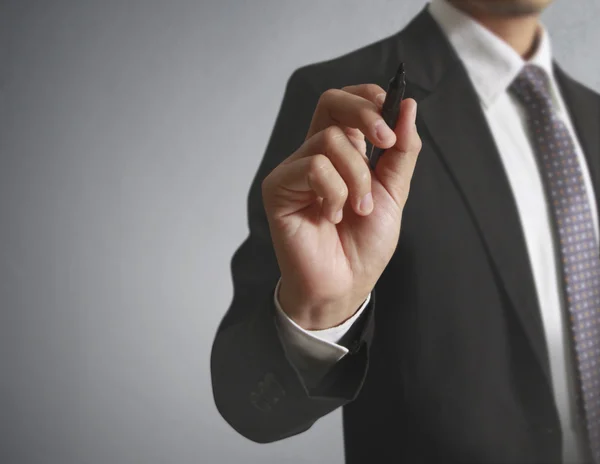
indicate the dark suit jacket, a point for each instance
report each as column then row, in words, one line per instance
column 450, row 363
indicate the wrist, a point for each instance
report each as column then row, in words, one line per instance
column 313, row 315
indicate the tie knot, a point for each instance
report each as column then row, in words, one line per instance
column 532, row 87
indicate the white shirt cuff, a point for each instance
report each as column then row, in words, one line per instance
column 318, row 345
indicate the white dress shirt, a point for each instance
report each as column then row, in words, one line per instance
column 492, row 65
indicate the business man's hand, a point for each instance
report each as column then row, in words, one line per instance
column 335, row 223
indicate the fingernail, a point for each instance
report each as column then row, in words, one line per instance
column 383, row 132
column 338, row 216
column 366, row 204
column 379, row 99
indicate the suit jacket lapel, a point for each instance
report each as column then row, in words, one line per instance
column 467, row 146
column 455, row 124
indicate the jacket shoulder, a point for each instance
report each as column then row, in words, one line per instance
column 358, row 66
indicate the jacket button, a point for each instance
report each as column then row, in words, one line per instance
column 272, row 386
column 259, row 402
column 267, row 394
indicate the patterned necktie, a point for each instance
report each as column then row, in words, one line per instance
column 560, row 168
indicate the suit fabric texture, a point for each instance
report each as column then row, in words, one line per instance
column 450, row 363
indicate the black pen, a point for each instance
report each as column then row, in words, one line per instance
column 390, row 109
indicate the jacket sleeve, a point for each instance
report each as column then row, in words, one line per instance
column 256, row 388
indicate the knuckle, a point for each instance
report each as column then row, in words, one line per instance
column 319, row 165
column 332, row 136
column 418, row 143
column 363, row 178
column 328, row 95
column 341, row 192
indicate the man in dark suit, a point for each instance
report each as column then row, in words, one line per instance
column 459, row 326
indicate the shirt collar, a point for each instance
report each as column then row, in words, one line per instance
column 491, row 63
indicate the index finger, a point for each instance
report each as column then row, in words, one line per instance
column 356, row 107
column 367, row 91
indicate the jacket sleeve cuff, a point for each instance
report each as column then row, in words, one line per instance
column 312, row 352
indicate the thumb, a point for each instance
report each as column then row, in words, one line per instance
column 397, row 164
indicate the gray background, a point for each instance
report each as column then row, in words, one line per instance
column 129, row 134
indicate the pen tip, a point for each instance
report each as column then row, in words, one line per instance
column 401, row 68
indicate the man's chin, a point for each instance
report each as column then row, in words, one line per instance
column 508, row 8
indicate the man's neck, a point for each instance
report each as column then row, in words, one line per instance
column 520, row 32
